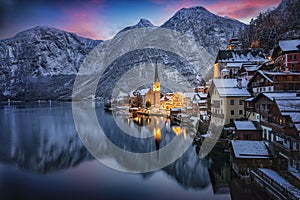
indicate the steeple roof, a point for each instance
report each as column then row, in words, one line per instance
column 156, row 78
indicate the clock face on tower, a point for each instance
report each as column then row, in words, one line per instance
column 156, row 87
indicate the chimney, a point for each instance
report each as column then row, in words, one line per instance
column 239, row 82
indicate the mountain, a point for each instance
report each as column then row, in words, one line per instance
column 269, row 27
column 143, row 23
column 41, row 63
column 210, row 30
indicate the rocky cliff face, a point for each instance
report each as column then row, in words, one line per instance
column 42, row 63
column 210, row 30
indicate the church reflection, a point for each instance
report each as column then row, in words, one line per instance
column 155, row 125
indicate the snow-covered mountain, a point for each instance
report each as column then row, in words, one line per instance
column 143, row 23
column 41, row 63
column 210, row 30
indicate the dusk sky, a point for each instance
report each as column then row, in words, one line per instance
column 101, row 19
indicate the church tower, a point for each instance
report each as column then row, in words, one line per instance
column 156, row 88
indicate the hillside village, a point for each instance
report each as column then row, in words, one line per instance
column 257, row 99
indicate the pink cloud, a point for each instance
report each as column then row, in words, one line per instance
column 84, row 19
column 238, row 9
column 242, row 9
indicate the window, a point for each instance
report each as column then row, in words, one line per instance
column 240, row 112
column 232, row 112
column 221, row 102
column 293, row 57
column 293, row 66
column 232, row 102
column 241, row 102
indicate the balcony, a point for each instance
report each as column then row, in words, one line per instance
column 215, row 104
column 284, row 129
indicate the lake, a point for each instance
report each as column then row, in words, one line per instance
column 43, row 157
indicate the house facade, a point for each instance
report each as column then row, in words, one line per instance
column 264, row 81
column 247, row 130
column 287, row 55
column 279, row 116
column 227, row 99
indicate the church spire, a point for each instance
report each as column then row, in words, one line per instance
column 156, row 78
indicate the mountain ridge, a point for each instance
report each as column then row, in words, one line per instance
column 42, row 62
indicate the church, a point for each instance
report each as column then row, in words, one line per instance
column 151, row 94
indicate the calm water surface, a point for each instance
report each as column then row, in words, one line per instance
column 42, row 157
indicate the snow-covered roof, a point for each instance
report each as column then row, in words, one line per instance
column 279, row 95
column 250, row 149
column 249, row 99
column 241, row 55
column 228, row 83
column 202, row 95
column 233, row 92
column 225, row 70
column 289, row 45
column 144, row 91
column 281, row 181
column 288, row 104
column 264, row 75
column 245, row 125
column 234, row 65
column 297, row 127
column 202, row 101
column 294, row 115
column 250, row 68
column 202, row 112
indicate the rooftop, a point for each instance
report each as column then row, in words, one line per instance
column 233, row 92
column 281, row 181
column 245, row 125
column 289, row 45
column 241, row 55
column 250, row 149
column 228, row 83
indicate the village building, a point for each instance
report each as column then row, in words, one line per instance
column 227, row 99
column 279, row 116
column 232, row 60
column 247, row 130
column 264, row 81
column 246, row 155
column 287, row 55
column 149, row 94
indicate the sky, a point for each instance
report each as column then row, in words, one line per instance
column 102, row 19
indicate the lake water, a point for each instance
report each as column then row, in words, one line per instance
column 42, row 157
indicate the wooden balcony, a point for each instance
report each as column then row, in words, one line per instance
column 284, row 129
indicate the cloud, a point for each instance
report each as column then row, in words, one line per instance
column 242, row 9
column 84, row 18
column 238, row 9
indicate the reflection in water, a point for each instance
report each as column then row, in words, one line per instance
column 42, row 138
